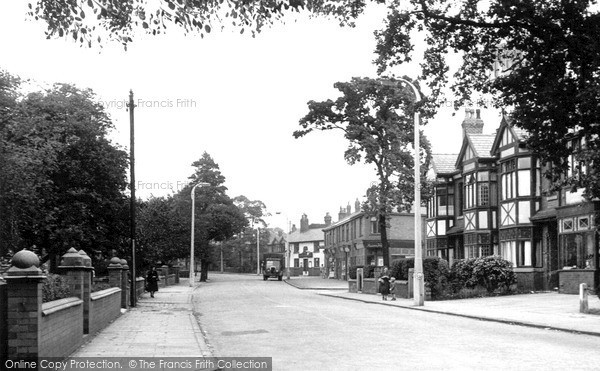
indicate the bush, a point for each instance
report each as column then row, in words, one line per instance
column 352, row 271
column 493, row 272
column 461, row 275
column 436, row 273
column 399, row 268
column 369, row 271
column 54, row 287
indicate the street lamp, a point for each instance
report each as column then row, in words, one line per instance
column 192, row 265
column 419, row 283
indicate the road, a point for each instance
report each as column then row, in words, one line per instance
column 243, row 315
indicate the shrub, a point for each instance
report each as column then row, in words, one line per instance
column 369, row 271
column 461, row 275
column 399, row 268
column 352, row 271
column 493, row 272
column 54, row 287
column 99, row 286
column 436, row 273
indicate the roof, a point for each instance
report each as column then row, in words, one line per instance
column 481, row 144
column 544, row 214
column 343, row 220
column 444, row 163
column 315, row 234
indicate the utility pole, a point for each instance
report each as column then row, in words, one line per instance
column 133, row 287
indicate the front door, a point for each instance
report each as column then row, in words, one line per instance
column 305, row 266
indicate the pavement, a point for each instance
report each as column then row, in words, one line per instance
column 548, row 310
column 163, row 326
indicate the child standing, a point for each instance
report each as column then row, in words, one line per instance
column 393, row 288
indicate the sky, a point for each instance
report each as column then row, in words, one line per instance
column 235, row 97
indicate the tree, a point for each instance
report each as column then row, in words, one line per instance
column 216, row 216
column 550, row 80
column 63, row 181
column 162, row 230
column 87, row 21
column 377, row 121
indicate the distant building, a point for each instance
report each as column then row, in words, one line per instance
column 306, row 247
column 355, row 240
column 277, row 240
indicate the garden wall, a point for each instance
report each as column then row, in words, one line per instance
column 105, row 307
column 61, row 327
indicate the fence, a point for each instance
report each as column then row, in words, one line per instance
column 30, row 329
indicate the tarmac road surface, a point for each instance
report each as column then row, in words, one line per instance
column 244, row 316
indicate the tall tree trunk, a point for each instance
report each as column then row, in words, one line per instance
column 385, row 245
column 203, row 269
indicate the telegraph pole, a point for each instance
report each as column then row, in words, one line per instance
column 133, row 288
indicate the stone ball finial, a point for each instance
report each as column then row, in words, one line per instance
column 71, row 259
column 124, row 264
column 25, row 259
column 115, row 263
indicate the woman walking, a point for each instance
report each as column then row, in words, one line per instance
column 384, row 283
column 152, row 281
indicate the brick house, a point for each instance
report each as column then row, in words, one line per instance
column 355, row 240
column 491, row 198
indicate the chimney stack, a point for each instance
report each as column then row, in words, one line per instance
column 304, row 223
column 472, row 123
column 327, row 219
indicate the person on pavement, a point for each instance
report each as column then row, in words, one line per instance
column 152, row 281
column 384, row 283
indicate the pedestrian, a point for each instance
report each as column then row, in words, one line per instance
column 384, row 283
column 152, row 281
column 393, row 288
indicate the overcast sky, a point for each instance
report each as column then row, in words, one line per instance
column 235, row 97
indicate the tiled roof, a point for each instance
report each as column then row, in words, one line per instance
column 444, row 163
column 482, row 144
column 308, row 236
column 522, row 134
column 544, row 214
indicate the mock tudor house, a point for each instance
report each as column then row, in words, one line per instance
column 355, row 240
column 491, row 198
column 307, row 247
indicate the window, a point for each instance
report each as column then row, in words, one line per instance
column 524, row 182
column 315, row 246
column 567, row 225
column 483, row 220
column 483, row 194
column 576, row 250
column 317, row 263
column 470, row 192
column 459, row 199
column 374, row 226
column 524, row 212
column 522, row 253
column 296, row 263
column 360, row 227
column 296, row 248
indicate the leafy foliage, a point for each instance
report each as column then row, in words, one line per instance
column 162, row 230
column 87, row 21
column 376, row 117
column 436, row 272
column 55, row 287
column 217, row 218
column 63, row 181
column 399, row 268
column 540, row 59
column 493, row 272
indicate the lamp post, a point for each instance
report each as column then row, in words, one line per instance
column 192, row 264
column 419, row 282
column 258, row 251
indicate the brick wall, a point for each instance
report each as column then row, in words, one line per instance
column 569, row 280
column 61, row 327
column 3, row 323
column 530, row 281
column 105, row 307
column 140, row 284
